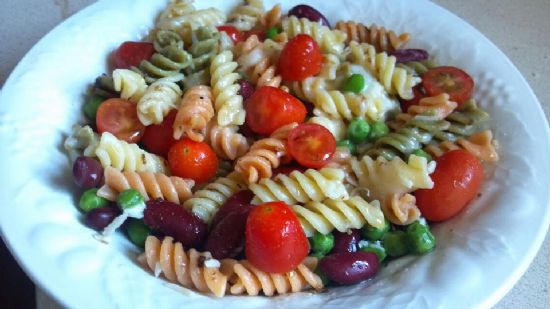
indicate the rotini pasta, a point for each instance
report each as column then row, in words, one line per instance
column 401, row 209
column 341, row 215
column 159, row 99
column 82, row 141
column 433, row 108
column 272, row 18
column 330, row 41
column 226, row 142
column 245, row 16
column 254, row 61
column 418, row 68
column 381, row 38
column 479, row 144
column 194, row 113
column 167, row 63
column 127, row 157
column 130, row 84
column 227, row 101
column 150, row 185
column 298, row 187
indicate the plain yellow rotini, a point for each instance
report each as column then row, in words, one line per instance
column 188, row 268
column 330, row 41
column 150, row 185
column 479, row 144
column 226, row 142
column 245, row 16
column 381, row 38
column 227, row 101
column 206, row 202
column 298, row 187
column 159, row 99
column 127, row 157
column 195, row 111
column 341, row 215
column 131, row 85
column 82, row 141
column 265, row 155
column 306, row 89
column 254, row 61
column 244, row 278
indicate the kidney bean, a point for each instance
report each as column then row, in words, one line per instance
column 306, row 11
column 406, row 55
column 226, row 239
column 346, row 242
column 350, row 267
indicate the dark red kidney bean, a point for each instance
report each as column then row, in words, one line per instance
column 346, row 242
column 306, row 11
column 350, row 267
column 226, row 239
column 99, row 218
column 235, row 202
column 173, row 220
column 406, row 55
column 87, row 172
column 247, row 89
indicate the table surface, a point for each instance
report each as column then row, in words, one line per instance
column 519, row 28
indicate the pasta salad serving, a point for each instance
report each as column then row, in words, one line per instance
column 262, row 153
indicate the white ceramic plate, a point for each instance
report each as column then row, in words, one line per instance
column 480, row 254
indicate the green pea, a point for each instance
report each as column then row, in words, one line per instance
column 372, row 233
column 317, row 255
column 354, row 83
column 378, row 129
column 272, row 32
column 321, row 275
column 395, row 243
column 91, row 106
column 347, row 143
column 422, row 153
column 137, row 232
column 321, row 243
column 89, row 200
column 374, row 247
column 419, row 238
column 358, row 130
column 129, row 199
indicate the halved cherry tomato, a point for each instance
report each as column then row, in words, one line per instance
column 158, row 138
column 194, row 160
column 275, row 240
column 119, row 117
column 311, row 145
column 132, row 53
column 418, row 95
column 457, row 178
column 301, row 57
column 259, row 33
column 270, row 108
column 234, row 33
column 453, row 81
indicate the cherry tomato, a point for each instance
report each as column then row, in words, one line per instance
column 301, row 57
column 457, row 178
column 418, row 95
column 453, row 81
column 119, row 117
column 194, row 160
column 235, row 35
column 259, row 33
column 311, row 145
column 132, row 53
column 270, row 108
column 275, row 240
column 159, row 137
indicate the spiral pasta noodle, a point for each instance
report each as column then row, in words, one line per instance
column 418, row 68
column 247, row 279
column 206, row 202
column 479, row 144
column 165, row 38
column 159, row 99
column 150, row 185
column 298, row 187
column 130, row 84
column 342, row 215
column 188, row 268
column 254, row 61
column 187, row 20
column 226, row 142
column 82, row 141
column 194, row 113
column 264, row 155
column 381, row 38
column 467, row 119
column 245, row 16
column 166, row 63
column 227, row 101
column 330, row 41
column 434, row 108
column 340, row 105
column 272, row 18
column 401, row 209
column 307, row 89
column 127, row 157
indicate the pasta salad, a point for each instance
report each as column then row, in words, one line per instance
column 263, row 153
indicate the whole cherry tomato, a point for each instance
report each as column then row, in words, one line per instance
column 194, row 160
column 457, row 178
column 233, row 33
column 131, row 54
column 311, row 145
column 158, row 138
column 119, row 117
column 270, row 108
column 453, row 81
column 275, row 240
column 300, row 58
